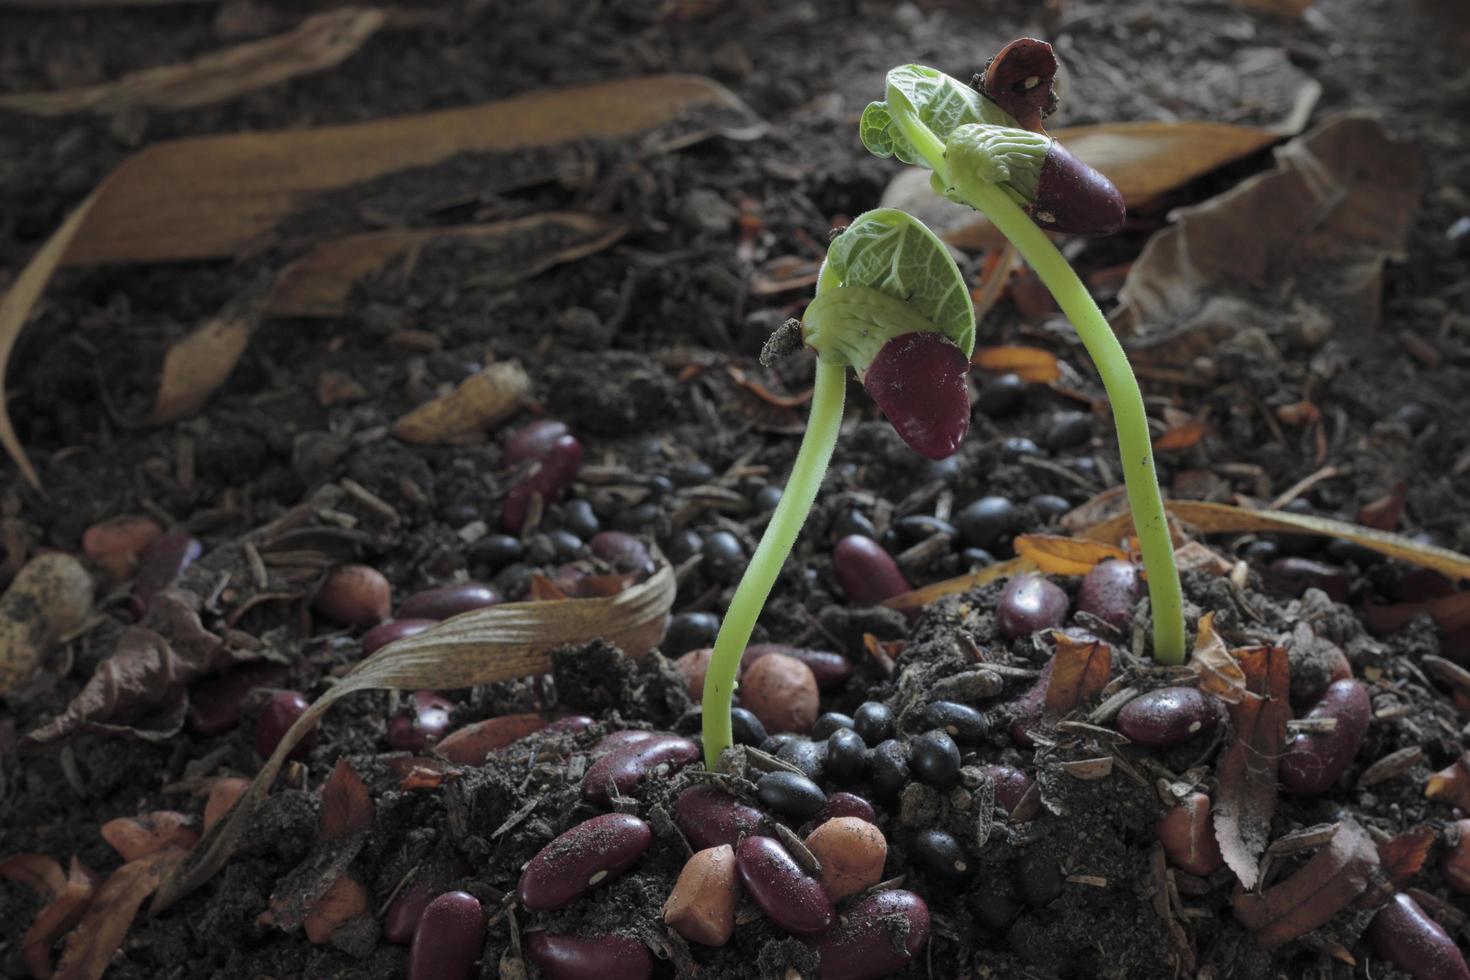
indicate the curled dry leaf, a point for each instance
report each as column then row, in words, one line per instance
column 1031, row 364
column 1219, row 673
column 465, row 414
column 345, row 899
column 496, row 643
column 1328, row 883
column 346, row 806
column 66, row 895
column 1183, row 436
column 1383, row 513
column 1451, row 784
column 1079, row 671
column 138, row 837
column 49, row 598
column 317, row 43
column 1061, row 555
column 1403, row 856
column 223, row 794
column 1246, row 772
column 103, row 927
column 38, row 872
column 919, row 598
column 318, row 284
column 195, row 367
column 149, row 208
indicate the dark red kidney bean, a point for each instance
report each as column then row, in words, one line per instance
column 617, row 740
column 789, row 897
column 533, row 440
column 214, row 704
column 1188, row 836
column 1167, row 716
column 571, row 724
column 1294, row 576
column 448, row 600
column 1109, row 591
column 841, row 804
column 941, row 857
column 1030, row 603
column 1073, row 198
column 162, row 561
column 830, row 669
column 709, row 817
column 613, row 957
column 626, row 767
column 918, row 380
column 963, row 723
column 790, row 794
column 404, row 913
column 1011, row 785
column 623, row 551
column 590, row 854
column 1019, row 79
column 1313, row 762
column 1402, row 934
column 868, row 574
column 551, row 479
column 354, row 595
column 863, row 946
column 276, row 718
column 448, row 940
column 392, row 629
column 423, row 723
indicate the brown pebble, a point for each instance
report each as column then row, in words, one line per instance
column 355, row 595
column 851, row 852
column 701, row 908
column 782, row 692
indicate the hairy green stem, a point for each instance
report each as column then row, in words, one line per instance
column 1166, row 599
column 760, row 575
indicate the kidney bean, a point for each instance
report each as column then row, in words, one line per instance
column 354, row 595
column 448, row 940
column 448, row 600
column 610, row 957
column 1109, row 592
column 533, row 440
column 423, row 724
column 627, row 766
column 590, row 854
column 1030, row 603
column 841, row 804
column 878, row 935
column 404, row 912
column 709, row 817
column 868, row 574
column 782, row 692
column 571, row 724
column 622, row 551
column 830, row 669
column 851, row 852
column 935, row 759
column 392, row 629
column 1188, row 836
column 1294, row 576
column 116, row 544
column 619, row 739
column 214, row 703
column 941, row 857
column 791, row 795
column 873, row 720
column 963, row 723
column 550, row 480
column 162, row 561
column 701, row 908
column 276, row 718
column 1402, row 934
column 1167, row 716
column 1313, row 762
column 1011, row 785
column 472, row 744
column 788, row 896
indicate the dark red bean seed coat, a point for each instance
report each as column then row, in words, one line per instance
column 1030, row 603
column 448, row 600
column 789, row 897
column 215, row 703
column 625, row 767
column 423, row 722
column 868, row 574
column 162, row 561
column 533, row 440
column 392, row 629
column 448, row 940
column 404, row 912
column 1402, row 934
column 709, row 817
column 613, row 957
column 1313, row 761
column 918, row 380
column 590, row 854
column 878, row 935
column 1011, row 785
column 551, row 479
column 1167, row 716
column 276, row 718
column 1109, row 592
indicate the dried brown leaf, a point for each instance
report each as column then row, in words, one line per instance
column 345, row 899
column 1246, row 772
column 1383, row 513
column 138, row 837
column 346, row 806
column 1451, row 784
column 1186, row 435
column 1031, row 364
column 319, row 42
column 195, row 366
column 497, row 643
column 102, row 929
column 1220, row 674
column 1403, row 856
column 59, row 915
column 1061, row 555
column 919, row 598
column 1450, row 613
column 38, row 872
column 422, row 772
column 1328, row 883
column 50, row 597
column 467, row 413
column 223, row 794
column 1079, row 671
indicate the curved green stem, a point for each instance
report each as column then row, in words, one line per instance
column 760, row 575
column 1166, row 599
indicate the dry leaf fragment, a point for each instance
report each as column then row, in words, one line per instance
column 102, row 929
column 50, row 597
column 138, row 837
column 1061, row 555
column 1246, row 771
column 1451, row 784
column 1450, row 613
column 223, row 794
column 1080, row 669
column 196, row 366
column 319, row 42
column 345, row 899
column 346, row 806
column 62, row 911
column 485, row 398
column 1183, row 436
column 1403, row 856
column 1384, row 512
column 933, row 592
column 1328, row 883
column 38, row 872
column 1220, row 674
column 1031, row 364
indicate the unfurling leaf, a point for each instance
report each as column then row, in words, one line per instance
column 1247, row 769
column 1079, row 671
column 1061, row 555
column 1328, row 883
column 941, row 103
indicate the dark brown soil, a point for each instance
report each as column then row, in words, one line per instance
column 608, row 341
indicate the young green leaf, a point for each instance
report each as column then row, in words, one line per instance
column 940, row 101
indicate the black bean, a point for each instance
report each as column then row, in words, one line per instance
column 1019, row 446
column 942, row 858
column 806, row 755
column 692, row 474
column 790, row 795
column 1413, row 416
column 566, row 545
column 973, row 558
column 746, row 727
column 890, row 765
column 827, row 723
column 639, row 518
column 459, row 514
column 658, row 484
column 853, row 522
column 578, row 518
column 774, row 743
column 1343, row 551
column 987, row 521
column 873, row 720
column 724, row 557
column 963, row 723
column 767, row 498
column 1299, row 544
column 496, row 550
column 1294, row 576
column 1068, row 430
column 910, row 530
column 993, row 903
column 1262, row 551
column 1038, row 878
column 1001, row 396
column 683, row 545
column 935, row 759
column 690, row 631
column 1049, row 507
column 847, row 756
